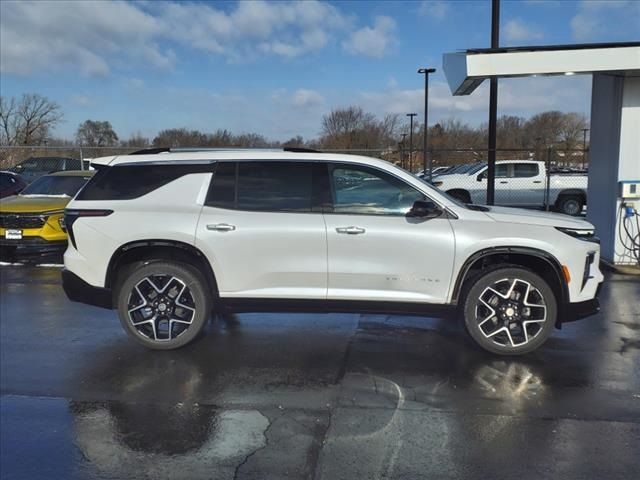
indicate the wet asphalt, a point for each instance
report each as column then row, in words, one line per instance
column 318, row 396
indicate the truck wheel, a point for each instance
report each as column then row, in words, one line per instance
column 570, row 204
column 164, row 305
column 461, row 195
column 509, row 311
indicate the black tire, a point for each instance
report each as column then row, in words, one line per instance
column 570, row 205
column 461, row 195
column 514, row 328
column 163, row 309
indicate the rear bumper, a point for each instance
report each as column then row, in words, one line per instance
column 580, row 310
column 77, row 290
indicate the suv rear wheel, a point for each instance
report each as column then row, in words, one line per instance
column 510, row 311
column 163, row 305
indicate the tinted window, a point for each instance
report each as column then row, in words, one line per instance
column 274, row 186
column 5, row 181
column 124, row 182
column 363, row 190
column 56, row 185
column 522, row 170
column 501, row 170
column 222, row 191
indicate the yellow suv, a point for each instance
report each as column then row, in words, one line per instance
column 33, row 221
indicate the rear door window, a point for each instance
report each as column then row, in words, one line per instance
column 525, row 170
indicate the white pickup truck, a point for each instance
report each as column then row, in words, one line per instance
column 519, row 183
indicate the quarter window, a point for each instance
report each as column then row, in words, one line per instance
column 363, row 190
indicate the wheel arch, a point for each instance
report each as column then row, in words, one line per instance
column 572, row 192
column 539, row 261
column 141, row 250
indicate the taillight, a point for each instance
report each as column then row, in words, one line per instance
column 71, row 215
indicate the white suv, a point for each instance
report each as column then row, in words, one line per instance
column 166, row 236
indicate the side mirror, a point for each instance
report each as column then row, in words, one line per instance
column 424, row 209
column 481, row 176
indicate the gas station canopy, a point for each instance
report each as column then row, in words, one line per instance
column 465, row 71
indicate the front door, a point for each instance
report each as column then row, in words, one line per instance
column 376, row 252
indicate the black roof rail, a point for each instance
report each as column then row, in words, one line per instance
column 150, row 151
column 300, row 150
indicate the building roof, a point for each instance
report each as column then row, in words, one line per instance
column 465, row 71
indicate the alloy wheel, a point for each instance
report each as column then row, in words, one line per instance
column 511, row 312
column 161, row 307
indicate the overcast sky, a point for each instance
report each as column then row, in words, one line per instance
column 276, row 68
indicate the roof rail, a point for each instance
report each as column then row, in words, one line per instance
column 152, row 151
column 300, row 150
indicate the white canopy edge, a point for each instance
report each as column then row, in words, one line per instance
column 465, row 71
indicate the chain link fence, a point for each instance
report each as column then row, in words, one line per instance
column 547, row 178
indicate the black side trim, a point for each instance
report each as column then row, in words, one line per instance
column 150, row 151
column 78, row 290
column 335, row 306
column 541, row 254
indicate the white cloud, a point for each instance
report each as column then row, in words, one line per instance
column 515, row 30
column 303, row 98
column 93, row 37
column 606, row 19
column 82, row 101
column 436, row 9
column 374, row 41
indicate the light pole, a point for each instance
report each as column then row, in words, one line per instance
column 426, row 164
column 493, row 107
column 411, row 115
column 584, row 146
column 402, row 143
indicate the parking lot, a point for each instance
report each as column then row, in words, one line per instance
column 312, row 395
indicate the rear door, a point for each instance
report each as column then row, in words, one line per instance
column 260, row 231
column 524, row 184
column 375, row 251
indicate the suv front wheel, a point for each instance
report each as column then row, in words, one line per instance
column 510, row 311
column 163, row 305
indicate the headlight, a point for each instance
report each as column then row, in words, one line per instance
column 587, row 234
column 437, row 184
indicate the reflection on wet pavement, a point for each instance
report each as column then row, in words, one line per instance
column 311, row 396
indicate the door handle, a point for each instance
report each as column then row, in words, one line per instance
column 537, row 181
column 351, row 230
column 221, row 227
column 504, row 181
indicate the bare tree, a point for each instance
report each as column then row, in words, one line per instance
column 136, row 140
column 95, row 133
column 27, row 121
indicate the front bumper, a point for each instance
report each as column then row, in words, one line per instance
column 33, row 245
column 77, row 290
column 576, row 311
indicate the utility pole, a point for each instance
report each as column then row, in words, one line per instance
column 411, row 115
column 402, row 143
column 493, row 107
column 426, row 164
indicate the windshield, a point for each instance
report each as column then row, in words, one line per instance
column 476, row 167
column 56, row 185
